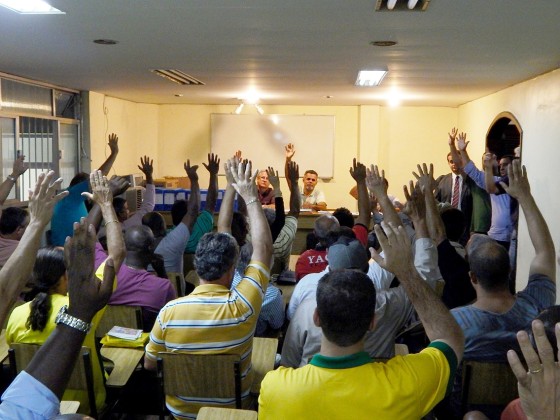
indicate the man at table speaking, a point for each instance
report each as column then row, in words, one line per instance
column 214, row 319
column 311, row 197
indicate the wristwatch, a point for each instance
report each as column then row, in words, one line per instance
column 69, row 320
column 12, row 178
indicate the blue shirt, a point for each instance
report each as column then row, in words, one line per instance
column 67, row 211
column 28, row 399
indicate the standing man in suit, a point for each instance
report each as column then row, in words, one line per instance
column 455, row 189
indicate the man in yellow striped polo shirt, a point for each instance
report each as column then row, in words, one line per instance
column 213, row 319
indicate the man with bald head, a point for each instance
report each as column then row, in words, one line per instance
column 135, row 285
column 314, row 260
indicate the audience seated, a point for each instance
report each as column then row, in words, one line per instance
column 205, row 221
column 314, row 260
column 72, row 208
column 266, row 193
column 490, row 324
column 341, row 381
column 171, row 246
column 34, row 321
column 36, row 392
column 215, row 319
column 13, row 222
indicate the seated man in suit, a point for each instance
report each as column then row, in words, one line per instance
column 341, row 381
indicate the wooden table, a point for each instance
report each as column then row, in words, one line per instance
column 3, row 346
column 263, row 358
column 125, row 360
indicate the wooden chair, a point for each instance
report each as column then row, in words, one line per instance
column 487, row 384
column 82, row 376
column 198, row 375
column 178, row 282
column 401, row 349
column 216, row 413
column 193, row 278
column 262, row 359
column 121, row 315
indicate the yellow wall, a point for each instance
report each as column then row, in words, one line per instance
column 395, row 138
column 536, row 105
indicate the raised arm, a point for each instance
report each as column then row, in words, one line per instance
column 375, row 181
column 17, row 270
column 244, row 184
column 290, row 151
column 455, row 155
column 292, row 176
column 280, row 218
column 489, row 163
column 18, row 169
column 54, row 362
column 435, row 225
column 436, row 318
column 114, row 146
column 359, row 173
column 213, row 167
column 193, row 206
column 415, row 209
column 103, row 198
column 519, row 188
column 226, row 209
column 117, row 185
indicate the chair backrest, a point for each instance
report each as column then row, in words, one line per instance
column 200, row 375
column 178, row 282
column 488, row 384
column 81, row 378
column 121, row 315
column 193, row 278
column 217, row 413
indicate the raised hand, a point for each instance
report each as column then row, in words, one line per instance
column 243, row 179
column 213, row 164
column 394, row 241
column 191, row 170
column 415, row 206
column 43, row 199
column 358, row 171
column 489, row 160
column 452, row 136
column 293, row 172
column 101, row 193
column 273, row 178
column 87, row 294
column 425, row 177
column 118, row 185
column 462, row 142
column 290, row 151
column 146, row 166
column 539, row 387
column 518, row 182
column 19, row 166
column 376, row 181
column 237, row 155
column 114, row 143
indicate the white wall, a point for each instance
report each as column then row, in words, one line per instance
column 536, row 105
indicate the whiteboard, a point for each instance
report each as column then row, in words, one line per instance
column 262, row 138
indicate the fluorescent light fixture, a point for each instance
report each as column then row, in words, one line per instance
column 259, row 109
column 391, row 4
column 412, row 4
column 367, row 78
column 239, row 108
column 31, row 7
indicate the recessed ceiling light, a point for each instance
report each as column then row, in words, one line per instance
column 178, row 95
column 105, row 42
column 383, row 43
column 368, row 78
column 31, row 7
column 328, row 97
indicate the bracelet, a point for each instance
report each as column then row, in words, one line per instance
column 64, row 318
column 254, row 200
column 12, row 178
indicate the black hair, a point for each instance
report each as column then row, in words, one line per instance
column 311, row 171
column 178, row 211
column 345, row 305
column 11, row 219
column 239, row 228
column 118, row 204
column 455, row 223
column 78, row 178
column 155, row 222
column 48, row 269
column 340, row 232
column 344, row 217
column 489, row 262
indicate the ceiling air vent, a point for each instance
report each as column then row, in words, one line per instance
column 177, row 76
column 401, row 5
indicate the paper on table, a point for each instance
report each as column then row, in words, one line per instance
column 124, row 333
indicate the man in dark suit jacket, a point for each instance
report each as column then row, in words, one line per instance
column 444, row 193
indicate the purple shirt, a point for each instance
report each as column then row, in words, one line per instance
column 139, row 288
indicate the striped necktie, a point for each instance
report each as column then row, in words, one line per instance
column 455, row 198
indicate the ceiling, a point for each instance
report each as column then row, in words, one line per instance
column 296, row 52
